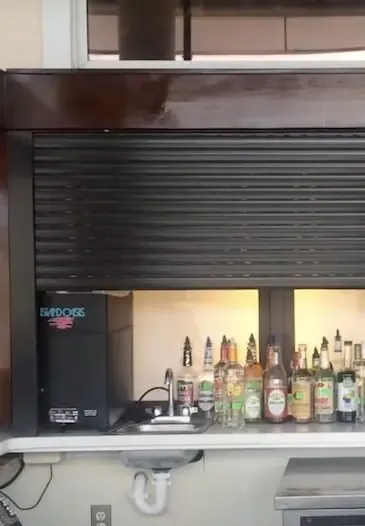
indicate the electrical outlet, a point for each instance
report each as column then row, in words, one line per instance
column 101, row 515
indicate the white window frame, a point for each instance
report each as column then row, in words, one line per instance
column 64, row 32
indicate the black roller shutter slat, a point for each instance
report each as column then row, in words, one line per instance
column 149, row 210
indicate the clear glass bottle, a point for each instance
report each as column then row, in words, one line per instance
column 219, row 369
column 253, row 389
column 360, row 382
column 206, row 383
column 233, row 390
column 302, row 389
column 275, row 389
column 253, row 347
column 294, row 364
column 186, row 381
column 325, row 391
column 337, row 352
column 347, row 396
column 316, row 361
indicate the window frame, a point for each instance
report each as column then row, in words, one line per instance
column 65, row 46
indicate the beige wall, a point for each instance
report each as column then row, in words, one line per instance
column 163, row 319
column 20, row 34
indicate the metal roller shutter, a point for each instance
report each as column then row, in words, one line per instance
column 199, row 209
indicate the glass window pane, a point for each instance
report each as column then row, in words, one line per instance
column 154, row 30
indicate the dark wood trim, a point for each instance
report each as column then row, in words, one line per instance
column 22, row 285
column 112, row 99
column 187, row 16
column 5, row 358
column 276, row 320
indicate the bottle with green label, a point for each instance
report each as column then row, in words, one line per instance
column 324, row 391
column 253, row 388
column 233, row 390
column 206, row 383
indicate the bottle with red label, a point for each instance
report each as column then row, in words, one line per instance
column 186, row 381
column 275, row 389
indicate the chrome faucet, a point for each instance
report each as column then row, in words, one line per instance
column 169, row 381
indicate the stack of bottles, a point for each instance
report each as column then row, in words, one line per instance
column 233, row 394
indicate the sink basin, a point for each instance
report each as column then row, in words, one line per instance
column 163, row 427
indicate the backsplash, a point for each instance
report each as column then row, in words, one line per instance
column 162, row 319
column 320, row 312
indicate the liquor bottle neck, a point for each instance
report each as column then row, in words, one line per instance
column 347, row 357
column 232, row 353
column 325, row 359
column 224, row 352
column 208, row 357
column 187, row 358
column 303, row 361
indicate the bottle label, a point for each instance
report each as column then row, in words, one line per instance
column 235, row 395
column 324, row 397
column 276, row 402
column 206, row 396
column 185, row 392
column 347, row 396
column 252, row 399
column 302, row 399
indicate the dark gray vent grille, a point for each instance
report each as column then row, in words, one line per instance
column 199, row 209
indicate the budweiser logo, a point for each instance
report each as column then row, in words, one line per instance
column 61, row 323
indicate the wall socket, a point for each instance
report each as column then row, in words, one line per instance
column 101, row 515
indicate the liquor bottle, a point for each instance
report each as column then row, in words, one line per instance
column 186, row 379
column 253, row 389
column 206, row 383
column 252, row 345
column 346, row 388
column 337, row 352
column 233, row 390
column 276, row 389
column 294, row 364
column 302, row 389
column 219, row 369
column 316, row 361
column 324, row 345
column 324, row 391
column 360, row 381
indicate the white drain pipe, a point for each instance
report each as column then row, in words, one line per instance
column 140, row 497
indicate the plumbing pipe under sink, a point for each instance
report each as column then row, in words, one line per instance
column 141, row 498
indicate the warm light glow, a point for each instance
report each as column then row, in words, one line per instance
column 319, row 313
column 338, row 55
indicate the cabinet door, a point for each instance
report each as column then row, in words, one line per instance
column 199, row 209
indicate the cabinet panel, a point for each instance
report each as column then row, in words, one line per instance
column 220, row 209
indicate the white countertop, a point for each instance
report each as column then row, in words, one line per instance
column 259, row 436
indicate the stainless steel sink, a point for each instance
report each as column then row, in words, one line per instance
column 165, row 428
column 154, row 427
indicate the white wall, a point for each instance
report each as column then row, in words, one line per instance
column 230, row 487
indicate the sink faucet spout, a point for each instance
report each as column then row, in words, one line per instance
column 169, row 381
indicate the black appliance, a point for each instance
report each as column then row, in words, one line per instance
column 85, row 358
column 323, row 492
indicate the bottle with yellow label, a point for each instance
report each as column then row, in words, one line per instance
column 233, row 406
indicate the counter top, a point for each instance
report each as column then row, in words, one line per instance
column 260, row 436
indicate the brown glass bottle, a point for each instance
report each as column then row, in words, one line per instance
column 275, row 389
column 346, row 388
